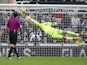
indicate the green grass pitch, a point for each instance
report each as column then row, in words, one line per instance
column 44, row 61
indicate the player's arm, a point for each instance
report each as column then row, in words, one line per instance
column 33, row 20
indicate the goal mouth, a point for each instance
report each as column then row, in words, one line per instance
column 49, row 13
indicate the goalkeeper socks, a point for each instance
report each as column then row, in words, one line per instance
column 76, row 34
column 72, row 38
column 10, row 51
column 16, row 52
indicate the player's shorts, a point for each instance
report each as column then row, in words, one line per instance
column 13, row 37
column 57, row 34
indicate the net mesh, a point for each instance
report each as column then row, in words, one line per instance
column 69, row 17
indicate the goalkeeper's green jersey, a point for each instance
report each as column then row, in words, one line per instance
column 47, row 27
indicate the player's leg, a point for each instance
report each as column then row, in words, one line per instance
column 62, row 33
column 15, row 51
column 11, row 44
column 66, row 32
column 12, row 47
column 70, row 32
column 64, row 37
column 58, row 34
column 14, row 42
column 10, row 51
column 78, row 40
column 70, row 38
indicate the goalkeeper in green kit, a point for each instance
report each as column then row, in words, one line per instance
column 53, row 32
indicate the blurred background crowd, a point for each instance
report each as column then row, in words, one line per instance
column 76, row 22
column 45, row 1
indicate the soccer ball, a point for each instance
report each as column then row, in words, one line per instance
column 23, row 10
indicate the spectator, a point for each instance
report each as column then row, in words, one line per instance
column 25, row 27
column 3, row 27
column 75, row 19
column 79, row 28
column 84, row 24
column 66, row 22
column 35, row 36
column 39, row 17
column 58, row 16
column 84, row 35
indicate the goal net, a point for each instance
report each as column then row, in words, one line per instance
column 69, row 18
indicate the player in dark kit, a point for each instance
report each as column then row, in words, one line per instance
column 13, row 25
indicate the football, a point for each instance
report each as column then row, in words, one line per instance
column 23, row 10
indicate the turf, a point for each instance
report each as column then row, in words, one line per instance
column 44, row 61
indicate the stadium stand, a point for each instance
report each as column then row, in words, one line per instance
column 69, row 17
column 51, row 1
column 66, row 21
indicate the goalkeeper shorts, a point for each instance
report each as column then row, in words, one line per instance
column 57, row 34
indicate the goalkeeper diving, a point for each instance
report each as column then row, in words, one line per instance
column 56, row 33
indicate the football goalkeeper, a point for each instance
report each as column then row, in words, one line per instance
column 54, row 33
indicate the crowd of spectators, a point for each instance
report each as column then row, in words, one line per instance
column 32, row 34
column 52, row 1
